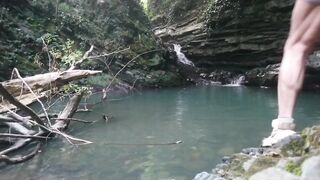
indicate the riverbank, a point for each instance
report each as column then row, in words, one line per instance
column 295, row 158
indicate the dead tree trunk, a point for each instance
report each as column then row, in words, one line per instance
column 40, row 85
column 31, row 130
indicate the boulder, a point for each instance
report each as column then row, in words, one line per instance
column 274, row 173
column 311, row 169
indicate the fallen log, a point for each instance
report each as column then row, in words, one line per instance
column 43, row 82
column 7, row 96
column 19, row 93
column 41, row 85
column 62, row 121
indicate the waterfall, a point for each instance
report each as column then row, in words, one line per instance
column 181, row 57
column 236, row 81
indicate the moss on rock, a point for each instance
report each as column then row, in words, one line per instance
column 293, row 168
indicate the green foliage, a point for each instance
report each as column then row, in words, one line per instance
column 174, row 10
column 294, row 148
column 102, row 80
column 75, row 88
column 217, row 10
column 293, row 168
column 162, row 79
column 71, row 54
column 69, row 28
column 63, row 51
column 145, row 4
column 64, row 7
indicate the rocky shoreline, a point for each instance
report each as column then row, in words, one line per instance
column 295, row 158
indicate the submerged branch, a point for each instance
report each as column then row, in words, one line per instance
column 23, row 136
column 20, row 159
column 109, row 54
column 74, row 119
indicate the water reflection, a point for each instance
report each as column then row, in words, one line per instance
column 180, row 109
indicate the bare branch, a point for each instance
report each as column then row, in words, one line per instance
column 104, row 55
column 7, row 119
column 19, row 118
column 74, row 119
column 115, row 76
column 85, row 56
column 47, row 50
column 17, row 145
column 37, row 118
column 20, row 159
column 23, row 136
column 6, row 95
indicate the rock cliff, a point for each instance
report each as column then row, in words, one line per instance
column 238, row 36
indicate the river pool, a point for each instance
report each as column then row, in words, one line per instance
column 211, row 122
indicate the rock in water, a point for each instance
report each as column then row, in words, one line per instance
column 311, row 169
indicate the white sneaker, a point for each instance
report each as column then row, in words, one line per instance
column 282, row 128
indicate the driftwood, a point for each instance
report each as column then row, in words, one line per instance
column 68, row 112
column 31, row 130
column 7, row 96
column 41, row 84
column 46, row 81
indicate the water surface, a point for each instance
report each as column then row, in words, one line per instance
column 211, row 122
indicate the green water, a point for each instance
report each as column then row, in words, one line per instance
column 211, row 122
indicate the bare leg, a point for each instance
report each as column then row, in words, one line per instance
column 304, row 33
column 305, row 29
column 300, row 12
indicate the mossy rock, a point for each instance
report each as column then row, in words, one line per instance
column 295, row 147
column 235, row 168
column 162, row 78
column 294, row 168
column 261, row 163
column 311, row 137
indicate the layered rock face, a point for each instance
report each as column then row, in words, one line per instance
column 233, row 35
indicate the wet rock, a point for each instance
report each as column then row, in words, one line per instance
column 253, row 151
column 247, row 165
column 273, row 174
column 312, row 138
column 221, row 166
column 263, row 76
column 291, row 146
column 207, row 176
column 282, row 163
column 311, row 169
column 226, row 159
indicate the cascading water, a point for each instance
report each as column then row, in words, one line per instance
column 236, row 81
column 181, row 57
